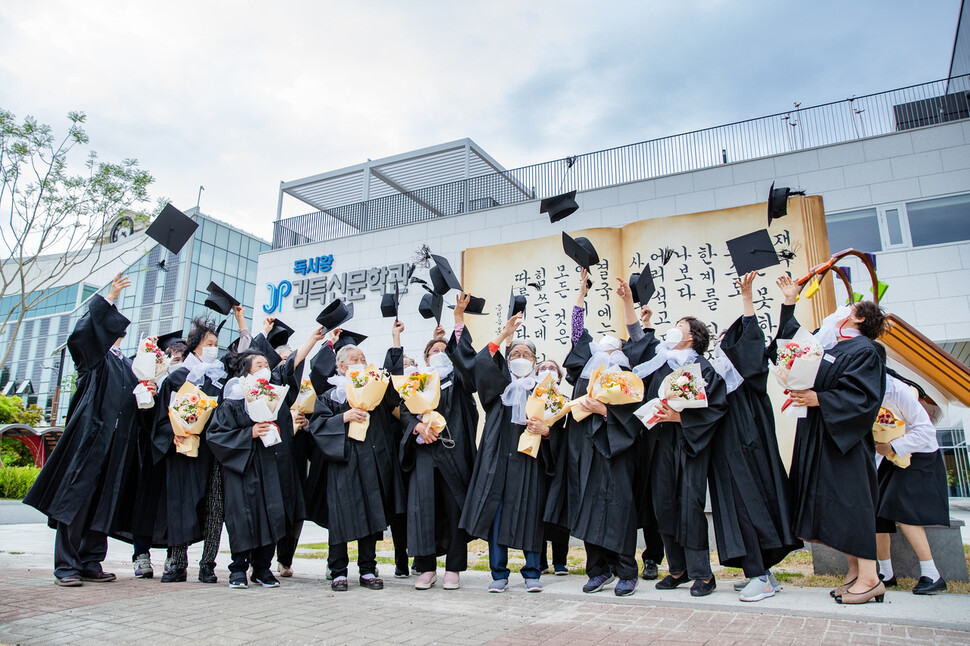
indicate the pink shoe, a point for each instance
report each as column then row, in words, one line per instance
column 426, row 580
column 452, row 581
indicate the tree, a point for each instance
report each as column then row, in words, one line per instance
column 52, row 221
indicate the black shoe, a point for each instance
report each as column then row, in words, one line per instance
column 926, row 585
column 238, row 580
column 372, row 583
column 207, row 573
column 98, row 577
column 702, row 589
column 401, row 573
column 889, row 583
column 265, row 579
column 339, row 585
column 69, row 581
column 174, row 576
column 670, row 581
column 650, row 571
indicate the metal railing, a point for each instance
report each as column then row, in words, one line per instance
column 785, row 132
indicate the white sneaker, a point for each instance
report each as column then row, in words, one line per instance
column 758, row 588
column 773, row 581
column 143, row 566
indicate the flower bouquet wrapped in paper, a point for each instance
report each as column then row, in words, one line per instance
column 799, row 359
column 365, row 390
column 149, row 364
column 887, row 428
column 682, row 389
column 188, row 411
column 610, row 386
column 307, row 398
column 263, row 401
column 547, row 405
column 421, row 392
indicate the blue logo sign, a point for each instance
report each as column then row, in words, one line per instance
column 277, row 293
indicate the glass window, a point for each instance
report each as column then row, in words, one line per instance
column 219, row 259
column 205, row 255
column 234, row 241
column 855, row 229
column 893, row 227
column 208, row 231
column 946, row 219
column 222, row 237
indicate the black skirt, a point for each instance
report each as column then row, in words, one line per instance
column 916, row 495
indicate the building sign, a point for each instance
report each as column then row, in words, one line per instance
column 348, row 286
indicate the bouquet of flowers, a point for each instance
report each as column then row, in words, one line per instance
column 680, row 390
column 149, row 363
column 263, row 401
column 306, row 399
column 610, row 386
column 546, row 404
column 798, row 363
column 421, row 392
column 188, row 411
column 365, row 390
column 887, row 428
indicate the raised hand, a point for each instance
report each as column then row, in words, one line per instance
column 789, row 288
column 117, row 284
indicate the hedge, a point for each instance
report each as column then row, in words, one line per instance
column 16, row 481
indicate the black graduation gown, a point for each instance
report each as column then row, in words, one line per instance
column 97, row 459
column 681, row 459
column 749, row 485
column 501, row 474
column 182, row 480
column 427, row 532
column 599, row 468
column 833, row 471
column 263, row 495
column 639, row 352
column 322, row 367
column 363, row 479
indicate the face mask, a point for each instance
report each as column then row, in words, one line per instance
column 209, row 354
column 172, row 367
column 410, row 370
column 440, row 360
column 357, row 366
column 263, row 373
column 521, row 367
column 673, row 337
column 542, row 375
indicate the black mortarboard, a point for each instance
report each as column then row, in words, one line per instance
column 581, row 250
column 516, row 304
column 348, row 338
column 442, row 276
column 219, row 299
column 560, row 206
column 165, row 340
column 475, row 306
column 752, row 251
column 778, row 201
column 430, row 306
column 172, row 229
column 390, row 301
column 280, row 334
column 335, row 314
column 642, row 287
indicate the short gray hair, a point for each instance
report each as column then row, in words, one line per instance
column 526, row 343
column 344, row 351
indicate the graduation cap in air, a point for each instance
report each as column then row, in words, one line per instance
column 560, row 206
column 279, row 334
column 475, row 306
column 778, row 201
column 219, row 299
column 752, row 252
column 349, row 338
column 172, row 229
column 166, row 340
column 582, row 251
column 389, row 302
column 335, row 314
column 516, row 304
column 443, row 277
column 642, row 287
column 430, row 306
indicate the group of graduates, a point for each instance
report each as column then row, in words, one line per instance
column 602, row 479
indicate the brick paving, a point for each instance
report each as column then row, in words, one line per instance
column 304, row 610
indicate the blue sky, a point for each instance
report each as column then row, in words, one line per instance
column 237, row 96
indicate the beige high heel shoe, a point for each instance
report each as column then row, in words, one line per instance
column 841, row 589
column 877, row 592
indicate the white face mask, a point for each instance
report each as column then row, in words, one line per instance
column 521, row 367
column 548, row 371
column 673, row 337
column 410, row 370
column 209, row 354
column 440, row 360
column 357, row 366
column 263, row 373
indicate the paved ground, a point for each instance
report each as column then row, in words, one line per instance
column 304, row 610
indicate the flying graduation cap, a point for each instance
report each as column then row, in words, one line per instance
column 390, row 302
column 642, row 287
column 560, row 206
column 172, row 229
column 778, row 201
column 335, row 314
column 430, row 306
column 475, row 306
column 516, row 304
column 279, row 334
column 752, row 252
column 582, row 251
column 443, row 277
column 219, row 299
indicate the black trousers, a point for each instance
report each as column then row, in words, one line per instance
column 286, row 548
column 456, row 558
column 600, row 560
column 697, row 563
column 338, row 560
column 653, row 545
column 559, row 537
column 77, row 548
column 399, row 536
column 260, row 558
column 140, row 545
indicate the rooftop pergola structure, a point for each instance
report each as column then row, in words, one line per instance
column 435, row 168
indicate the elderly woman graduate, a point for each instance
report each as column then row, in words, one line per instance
column 440, row 462
column 363, row 480
column 264, row 497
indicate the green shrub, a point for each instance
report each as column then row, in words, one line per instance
column 16, row 481
column 14, row 453
column 13, row 411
